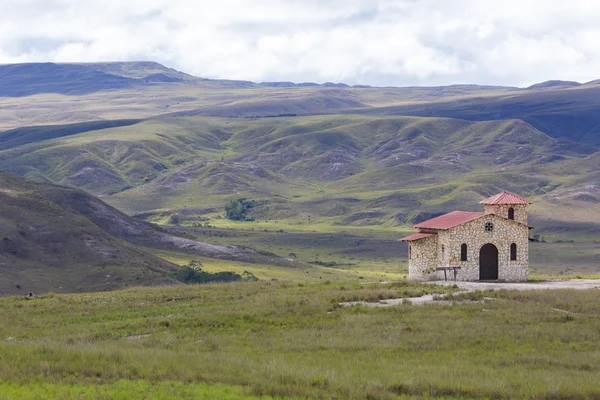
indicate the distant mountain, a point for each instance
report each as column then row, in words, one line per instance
column 139, row 70
column 554, row 85
column 18, row 80
column 320, row 100
column 304, row 84
column 563, row 112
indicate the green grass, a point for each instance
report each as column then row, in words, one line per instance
column 292, row 340
column 373, row 252
column 124, row 390
column 369, row 271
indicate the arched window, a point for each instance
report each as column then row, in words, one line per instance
column 511, row 213
column 513, row 252
column 463, row 252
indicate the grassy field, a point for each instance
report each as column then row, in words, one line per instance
column 362, row 251
column 125, row 390
column 291, row 340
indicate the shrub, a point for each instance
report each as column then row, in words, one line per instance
column 193, row 273
column 174, row 219
column 236, row 210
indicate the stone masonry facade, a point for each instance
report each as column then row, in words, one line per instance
column 520, row 211
column 422, row 257
column 473, row 234
column 443, row 247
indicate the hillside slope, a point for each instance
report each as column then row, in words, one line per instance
column 58, row 94
column 327, row 153
column 186, row 163
column 570, row 112
column 17, row 80
column 361, row 170
column 46, row 245
column 54, row 238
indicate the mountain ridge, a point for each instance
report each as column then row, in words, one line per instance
column 98, row 76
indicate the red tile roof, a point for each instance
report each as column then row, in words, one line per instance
column 449, row 220
column 416, row 236
column 505, row 198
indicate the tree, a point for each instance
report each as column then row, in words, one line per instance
column 235, row 210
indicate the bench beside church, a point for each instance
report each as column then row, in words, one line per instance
column 488, row 245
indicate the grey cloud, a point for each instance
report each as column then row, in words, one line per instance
column 377, row 42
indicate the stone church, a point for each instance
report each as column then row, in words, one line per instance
column 473, row 246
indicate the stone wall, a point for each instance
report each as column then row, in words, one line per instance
column 427, row 254
column 473, row 233
column 502, row 210
column 422, row 256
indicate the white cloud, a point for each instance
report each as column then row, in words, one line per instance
column 385, row 42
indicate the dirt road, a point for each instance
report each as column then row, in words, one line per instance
column 579, row 284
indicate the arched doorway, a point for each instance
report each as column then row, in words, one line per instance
column 488, row 262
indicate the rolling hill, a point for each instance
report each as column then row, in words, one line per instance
column 561, row 112
column 345, row 169
column 47, row 245
column 60, row 239
column 160, row 142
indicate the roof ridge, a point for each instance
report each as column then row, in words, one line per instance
column 449, row 220
column 505, row 197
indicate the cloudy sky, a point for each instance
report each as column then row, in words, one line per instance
column 376, row 42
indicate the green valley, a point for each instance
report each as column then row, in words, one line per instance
column 129, row 192
column 339, row 172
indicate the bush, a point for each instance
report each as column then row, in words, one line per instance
column 174, row 219
column 193, row 273
column 236, row 210
column 249, row 276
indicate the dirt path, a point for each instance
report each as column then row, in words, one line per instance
column 579, row 284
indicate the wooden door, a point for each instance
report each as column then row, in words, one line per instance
column 488, row 262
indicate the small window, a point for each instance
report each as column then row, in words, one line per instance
column 489, row 227
column 511, row 213
column 463, row 252
column 513, row 252
column 409, row 252
column 443, row 248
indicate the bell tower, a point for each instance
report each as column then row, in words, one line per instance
column 507, row 205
